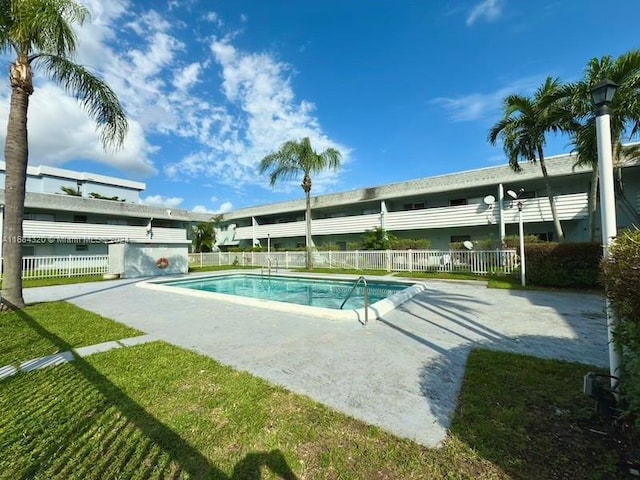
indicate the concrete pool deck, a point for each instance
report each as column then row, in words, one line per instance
column 402, row 372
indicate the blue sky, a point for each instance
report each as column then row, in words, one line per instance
column 404, row 89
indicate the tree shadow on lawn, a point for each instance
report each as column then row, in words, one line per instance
column 129, row 433
column 527, row 415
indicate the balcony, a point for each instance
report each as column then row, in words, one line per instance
column 101, row 232
column 569, row 207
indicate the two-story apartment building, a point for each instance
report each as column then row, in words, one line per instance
column 63, row 217
column 471, row 205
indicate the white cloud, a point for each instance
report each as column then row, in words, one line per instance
column 214, row 18
column 185, row 78
column 258, row 87
column 225, row 208
column 222, row 110
column 477, row 106
column 60, row 131
column 201, row 209
column 488, row 10
column 160, row 201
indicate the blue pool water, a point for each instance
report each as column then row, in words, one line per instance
column 301, row 291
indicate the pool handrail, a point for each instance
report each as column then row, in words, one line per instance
column 366, row 296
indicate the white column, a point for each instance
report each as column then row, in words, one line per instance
column 501, row 214
column 608, row 222
column 383, row 215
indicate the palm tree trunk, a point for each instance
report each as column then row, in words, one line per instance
column 16, row 154
column 552, row 202
column 593, row 203
column 308, row 220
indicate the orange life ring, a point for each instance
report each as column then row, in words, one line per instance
column 162, row 262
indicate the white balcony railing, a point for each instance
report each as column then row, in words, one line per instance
column 569, row 207
column 104, row 232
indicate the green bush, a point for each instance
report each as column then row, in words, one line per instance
column 410, row 244
column 513, row 241
column 575, row 265
column 621, row 276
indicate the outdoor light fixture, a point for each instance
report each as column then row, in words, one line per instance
column 516, row 196
column 602, row 95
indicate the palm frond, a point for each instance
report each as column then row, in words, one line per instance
column 95, row 96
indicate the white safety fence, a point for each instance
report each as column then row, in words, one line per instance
column 477, row 262
column 64, row 266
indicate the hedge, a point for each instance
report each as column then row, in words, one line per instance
column 575, row 265
column 621, row 276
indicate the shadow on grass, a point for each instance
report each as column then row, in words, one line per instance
column 127, row 436
column 529, row 416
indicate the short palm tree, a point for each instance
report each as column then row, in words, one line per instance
column 523, row 129
column 39, row 33
column 204, row 237
column 295, row 158
column 624, row 114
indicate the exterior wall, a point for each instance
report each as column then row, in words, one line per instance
column 438, row 208
column 131, row 260
column 49, row 180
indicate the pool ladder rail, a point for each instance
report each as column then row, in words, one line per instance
column 362, row 280
column 269, row 266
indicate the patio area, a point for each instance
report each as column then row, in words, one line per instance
column 402, row 372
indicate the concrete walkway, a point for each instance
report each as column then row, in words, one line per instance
column 66, row 357
column 402, row 373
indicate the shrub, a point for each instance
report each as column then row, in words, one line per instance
column 513, row 241
column 563, row 264
column 621, row 276
column 409, row 244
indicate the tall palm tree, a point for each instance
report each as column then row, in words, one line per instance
column 296, row 158
column 523, row 129
column 624, row 114
column 39, row 33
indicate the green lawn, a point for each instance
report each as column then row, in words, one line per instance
column 39, row 329
column 157, row 411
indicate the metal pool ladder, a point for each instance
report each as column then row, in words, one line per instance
column 366, row 296
column 268, row 267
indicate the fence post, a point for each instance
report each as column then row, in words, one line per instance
column 357, row 255
column 69, row 266
column 330, row 260
column 388, row 260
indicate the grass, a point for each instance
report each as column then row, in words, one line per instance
column 33, row 332
column 530, row 417
column 47, row 282
column 342, row 271
column 157, row 411
column 215, row 268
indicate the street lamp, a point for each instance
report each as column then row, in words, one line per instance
column 602, row 95
column 516, row 196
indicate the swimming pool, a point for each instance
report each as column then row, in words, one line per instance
column 317, row 296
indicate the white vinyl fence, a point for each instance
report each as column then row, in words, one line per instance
column 477, row 262
column 64, row 266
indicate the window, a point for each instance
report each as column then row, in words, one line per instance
column 82, row 248
column 414, row 206
column 79, row 219
column 456, row 202
column 460, row 238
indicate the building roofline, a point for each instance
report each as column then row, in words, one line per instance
column 557, row 165
column 45, row 170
